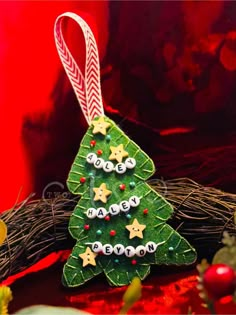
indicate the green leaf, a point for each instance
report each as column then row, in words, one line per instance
column 48, row 309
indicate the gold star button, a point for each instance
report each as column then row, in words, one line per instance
column 88, row 257
column 100, row 126
column 101, row 193
column 135, row 229
column 118, row 153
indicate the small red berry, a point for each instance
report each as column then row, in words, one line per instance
column 145, row 211
column 112, row 232
column 99, row 152
column 134, row 262
column 219, row 280
column 82, row 180
column 86, row 226
column 122, row 186
column 92, row 143
column 107, row 218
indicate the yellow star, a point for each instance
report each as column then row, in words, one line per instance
column 135, row 229
column 118, row 153
column 101, row 193
column 88, row 257
column 100, row 126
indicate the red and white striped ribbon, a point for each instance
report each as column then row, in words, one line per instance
column 87, row 88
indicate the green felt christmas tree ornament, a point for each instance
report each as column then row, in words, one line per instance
column 119, row 223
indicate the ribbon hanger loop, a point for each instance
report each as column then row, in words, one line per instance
column 87, row 88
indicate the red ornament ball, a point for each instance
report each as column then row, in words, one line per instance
column 134, row 262
column 92, row 143
column 219, row 280
column 82, row 180
column 112, row 232
column 145, row 211
column 122, row 186
column 99, row 152
column 86, row 227
column 107, row 218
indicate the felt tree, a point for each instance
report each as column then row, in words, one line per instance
column 119, row 222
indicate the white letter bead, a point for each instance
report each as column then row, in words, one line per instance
column 107, row 249
column 91, row 158
column 129, row 251
column 130, row 163
column 119, row 249
column 99, row 163
column 97, row 247
column 101, row 212
column 91, row 213
column 151, row 247
column 120, row 168
column 134, row 201
column 114, row 209
column 124, row 206
column 140, row 251
column 108, row 166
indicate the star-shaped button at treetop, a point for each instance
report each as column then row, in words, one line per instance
column 118, row 153
column 88, row 257
column 100, row 126
column 101, row 193
column 135, row 229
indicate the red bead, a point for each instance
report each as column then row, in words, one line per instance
column 86, row 227
column 219, row 280
column 107, row 218
column 82, row 180
column 92, row 143
column 145, row 211
column 112, row 232
column 122, row 186
column 134, row 262
column 99, row 152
